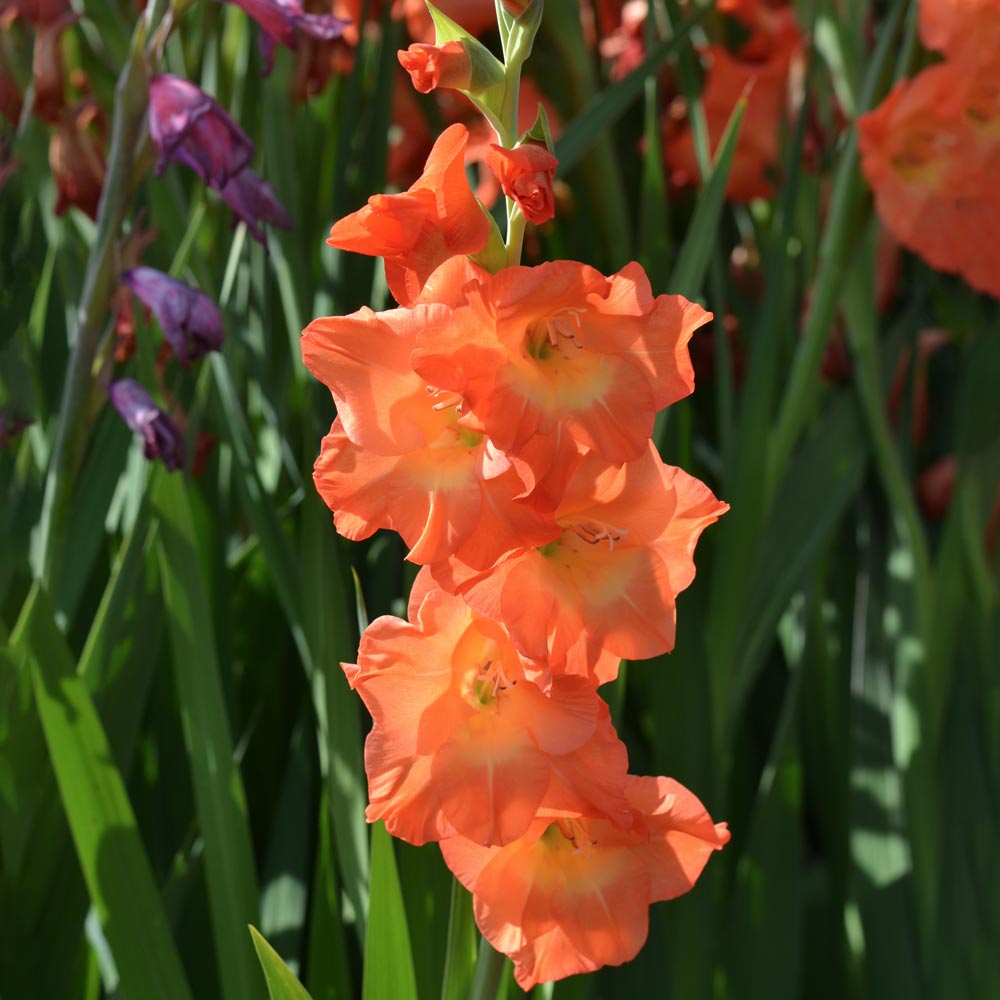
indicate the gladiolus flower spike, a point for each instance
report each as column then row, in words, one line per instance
column 500, row 421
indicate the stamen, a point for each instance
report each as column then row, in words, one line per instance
column 593, row 532
column 558, row 326
column 448, row 399
column 490, row 680
column 575, row 831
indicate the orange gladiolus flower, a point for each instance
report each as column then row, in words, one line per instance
column 416, row 231
column 756, row 156
column 759, row 70
column 433, row 66
column 625, row 551
column 398, row 455
column 554, row 357
column 526, row 174
column 966, row 29
column 464, row 743
column 931, row 153
column 573, row 894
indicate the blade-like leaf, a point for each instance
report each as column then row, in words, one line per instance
column 281, row 984
column 692, row 263
column 460, row 957
column 388, row 960
column 221, row 801
column 111, row 854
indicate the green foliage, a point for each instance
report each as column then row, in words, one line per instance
column 281, row 984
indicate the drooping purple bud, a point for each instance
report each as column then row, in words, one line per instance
column 160, row 435
column 190, row 320
column 187, row 126
column 280, row 19
column 252, row 199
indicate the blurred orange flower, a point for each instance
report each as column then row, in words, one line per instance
column 573, row 894
column 475, row 16
column 47, row 68
column 967, row 29
column 76, row 157
column 931, row 153
column 416, row 231
column 760, row 71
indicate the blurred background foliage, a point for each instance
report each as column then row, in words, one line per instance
column 179, row 753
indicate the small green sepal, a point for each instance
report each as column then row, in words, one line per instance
column 493, row 257
column 540, row 133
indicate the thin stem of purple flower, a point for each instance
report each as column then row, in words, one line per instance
column 131, row 100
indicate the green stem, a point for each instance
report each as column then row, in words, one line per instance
column 489, row 972
column 515, row 233
column 131, row 100
column 508, row 138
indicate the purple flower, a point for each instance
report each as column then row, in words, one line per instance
column 160, row 436
column 190, row 319
column 253, row 199
column 281, row 18
column 189, row 127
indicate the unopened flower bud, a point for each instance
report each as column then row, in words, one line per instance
column 526, row 174
column 161, row 437
column 190, row 320
column 431, row 66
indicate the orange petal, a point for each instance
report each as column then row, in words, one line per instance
column 493, row 778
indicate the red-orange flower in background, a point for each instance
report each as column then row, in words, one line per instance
column 759, row 70
column 526, row 174
column 398, row 455
column 624, row 552
column 931, row 153
column 465, row 744
column 573, row 894
column 966, row 29
column 475, row 16
column 76, row 157
column 47, row 68
column 416, row 231
column 552, row 358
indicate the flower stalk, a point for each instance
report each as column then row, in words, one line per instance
column 131, row 101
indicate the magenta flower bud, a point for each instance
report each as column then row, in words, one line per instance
column 252, row 199
column 280, row 19
column 187, row 126
column 160, row 435
column 190, row 320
